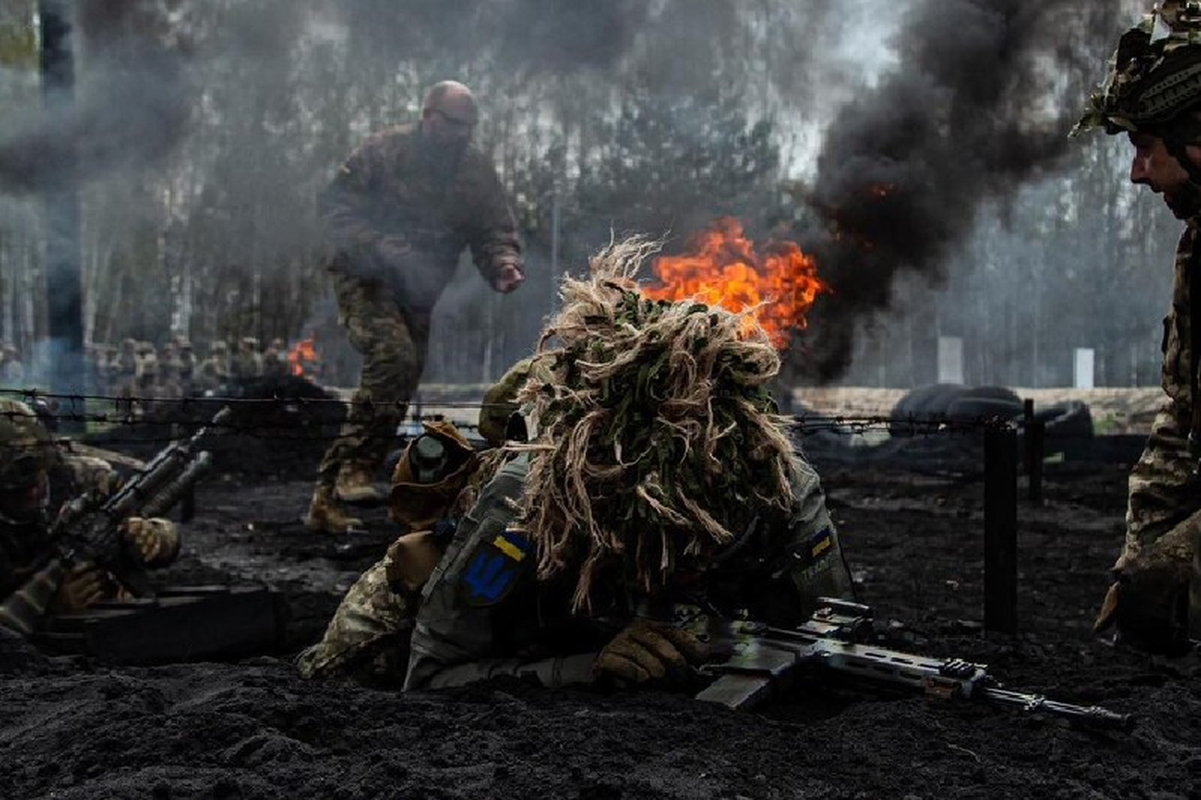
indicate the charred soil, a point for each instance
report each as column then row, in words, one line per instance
column 253, row 729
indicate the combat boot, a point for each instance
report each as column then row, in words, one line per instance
column 354, row 485
column 326, row 514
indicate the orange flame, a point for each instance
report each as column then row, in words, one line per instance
column 305, row 352
column 723, row 269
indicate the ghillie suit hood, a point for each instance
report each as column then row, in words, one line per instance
column 654, row 440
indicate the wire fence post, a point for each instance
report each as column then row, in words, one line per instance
column 1035, row 441
column 1000, row 529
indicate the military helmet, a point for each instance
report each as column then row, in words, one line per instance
column 26, row 449
column 1153, row 78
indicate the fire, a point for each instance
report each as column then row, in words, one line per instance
column 305, row 352
column 723, row 269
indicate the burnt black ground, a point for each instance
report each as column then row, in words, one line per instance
column 72, row 729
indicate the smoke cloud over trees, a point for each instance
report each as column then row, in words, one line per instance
column 918, row 150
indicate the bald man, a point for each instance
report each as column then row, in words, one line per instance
column 398, row 214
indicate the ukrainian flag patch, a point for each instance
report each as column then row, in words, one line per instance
column 494, row 568
column 820, row 543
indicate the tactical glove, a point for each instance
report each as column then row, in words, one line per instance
column 645, row 651
column 84, row 586
column 1149, row 608
column 154, row 541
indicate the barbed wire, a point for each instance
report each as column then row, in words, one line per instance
column 125, row 405
column 133, row 412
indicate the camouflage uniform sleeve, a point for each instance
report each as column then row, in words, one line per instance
column 346, row 205
column 1162, row 495
column 491, row 229
column 815, row 566
column 453, row 642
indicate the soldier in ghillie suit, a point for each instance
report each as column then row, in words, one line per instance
column 27, row 457
column 398, row 214
column 647, row 464
column 1153, row 95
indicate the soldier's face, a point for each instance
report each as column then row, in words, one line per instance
column 445, row 131
column 25, row 504
column 1154, row 167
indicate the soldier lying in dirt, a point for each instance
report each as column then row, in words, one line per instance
column 646, row 463
column 28, row 456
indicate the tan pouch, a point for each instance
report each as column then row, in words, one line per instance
column 411, row 560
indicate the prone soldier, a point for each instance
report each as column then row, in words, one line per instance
column 546, row 569
column 29, row 455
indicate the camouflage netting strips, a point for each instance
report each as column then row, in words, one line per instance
column 657, row 438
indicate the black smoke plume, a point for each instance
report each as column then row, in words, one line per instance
column 132, row 104
column 906, row 167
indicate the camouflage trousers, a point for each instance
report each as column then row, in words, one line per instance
column 1163, row 517
column 393, row 344
column 368, row 638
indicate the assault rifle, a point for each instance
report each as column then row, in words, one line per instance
column 752, row 661
column 86, row 532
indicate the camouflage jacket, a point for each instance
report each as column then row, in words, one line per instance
column 484, row 612
column 24, row 548
column 1164, row 491
column 384, row 190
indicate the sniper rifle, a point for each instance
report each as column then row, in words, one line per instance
column 753, row 661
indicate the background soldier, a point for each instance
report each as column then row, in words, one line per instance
column 1152, row 94
column 214, row 370
column 187, row 367
column 275, row 360
column 398, row 214
column 247, row 362
column 12, row 371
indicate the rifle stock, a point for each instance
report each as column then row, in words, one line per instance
column 754, row 662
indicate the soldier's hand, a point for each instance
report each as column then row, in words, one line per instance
column 1149, row 609
column 508, row 278
column 143, row 536
column 84, row 586
column 644, row 652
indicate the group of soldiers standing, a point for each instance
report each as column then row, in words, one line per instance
column 171, row 370
column 139, row 369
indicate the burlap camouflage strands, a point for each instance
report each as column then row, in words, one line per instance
column 657, row 437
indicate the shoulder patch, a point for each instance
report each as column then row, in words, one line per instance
column 493, row 569
column 811, row 550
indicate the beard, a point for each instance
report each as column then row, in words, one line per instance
column 1185, row 203
column 442, row 160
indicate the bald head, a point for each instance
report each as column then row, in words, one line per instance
column 452, row 100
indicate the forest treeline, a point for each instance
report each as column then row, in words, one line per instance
column 209, row 126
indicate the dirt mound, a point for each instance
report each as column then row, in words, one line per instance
column 254, row 730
